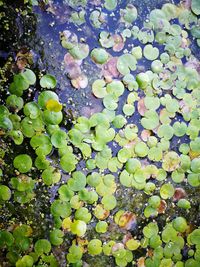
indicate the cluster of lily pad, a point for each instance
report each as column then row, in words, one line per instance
column 119, row 150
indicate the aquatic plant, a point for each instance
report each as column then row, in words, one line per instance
column 110, row 181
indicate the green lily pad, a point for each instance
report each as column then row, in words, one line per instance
column 126, row 63
column 5, row 192
column 95, row 247
column 99, row 55
column 119, row 121
column 142, row 79
column 56, row 237
column 167, row 191
column 45, row 96
column 129, row 14
column 26, row 260
column 101, row 227
column 52, row 117
column 109, row 202
column 42, row 144
column 77, row 182
column 58, row 138
column 79, row 51
column 50, row 176
column 128, row 109
column 151, row 120
column 180, row 224
column 195, row 7
column 48, row 81
column 165, row 131
column 99, row 89
column 42, row 246
column 23, row 163
column 60, row 208
column 110, row 4
column 78, row 227
column 141, row 149
column 150, row 52
column 171, row 161
column 32, row 110
column 180, row 128
column 14, row 102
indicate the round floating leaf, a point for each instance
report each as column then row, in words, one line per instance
column 109, row 202
column 29, row 76
column 195, row 145
column 195, row 237
column 101, row 227
column 56, row 237
column 78, row 181
column 60, row 208
column 99, row 55
column 142, row 79
column 5, row 193
column 157, row 66
column 119, row 121
column 68, row 162
column 115, row 88
column 167, row 191
column 184, row 204
column 179, row 128
column 42, row 246
column 99, row 89
column 195, row 165
column 42, row 144
column 180, row 224
column 150, row 52
column 123, row 155
column 128, row 109
column 32, row 110
column 51, row 117
column 58, row 138
column 83, row 214
column 165, row 131
column 75, row 254
column 23, row 163
column 110, row 102
column 78, row 227
column 193, row 179
column 126, row 63
column 14, row 102
column 195, row 7
column 25, row 261
column 132, row 244
column 48, row 81
column 110, row 4
column 141, row 149
column 151, row 102
column 80, row 51
column 132, row 165
column 151, row 120
column 95, row 247
column 51, row 176
column 154, row 201
column 45, row 96
column 171, row 161
column 129, row 15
